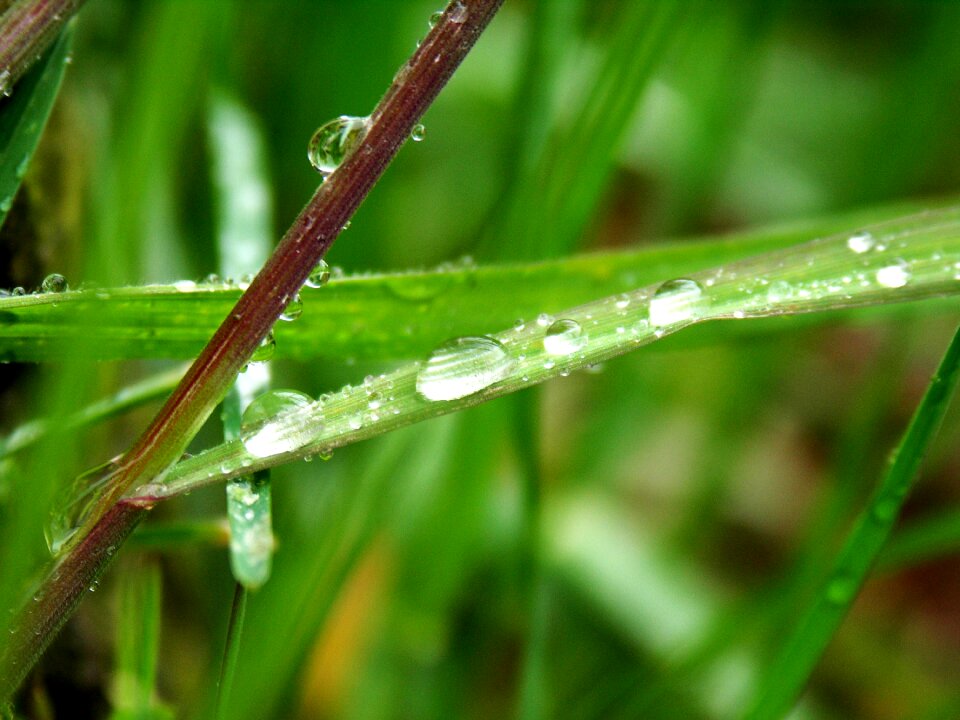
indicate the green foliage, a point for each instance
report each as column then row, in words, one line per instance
column 638, row 539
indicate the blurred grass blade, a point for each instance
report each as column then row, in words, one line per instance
column 24, row 115
column 549, row 212
column 228, row 667
column 173, row 535
column 244, row 220
column 909, row 258
column 133, row 396
column 138, row 638
column 922, row 541
column 811, row 635
column 396, row 316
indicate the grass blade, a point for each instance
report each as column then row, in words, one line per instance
column 911, row 258
column 360, row 317
column 24, row 115
column 791, row 668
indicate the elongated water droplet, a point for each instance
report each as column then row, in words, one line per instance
column 293, row 310
column 54, row 283
column 861, row 242
column 268, row 346
column 563, row 338
column 319, row 276
column 676, row 301
column 251, row 534
column 894, row 276
column 333, row 141
column 418, row 132
column 463, row 367
column 75, row 504
column 263, row 432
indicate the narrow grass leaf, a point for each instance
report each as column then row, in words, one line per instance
column 907, row 259
column 24, row 115
column 360, row 317
column 792, row 667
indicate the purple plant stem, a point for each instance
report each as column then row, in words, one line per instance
column 27, row 28
column 413, row 89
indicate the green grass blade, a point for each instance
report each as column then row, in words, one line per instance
column 911, row 258
column 922, row 541
column 796, row 660
column 228, row 668
column 397, row 316
column 244, row 222
column 138, row 639
column 24, row 115
column 133, row 396
column 173, row 535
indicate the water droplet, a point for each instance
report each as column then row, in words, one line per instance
column 5, row 84
column 184, row 285
column 54, row 283
column 861, row 242
column 212, row 279
column 332, row 142
column 623, row 301
column 293, row 310
column 18, row 291
column 418, row 133
column 435, row 18
column 319, row 276
column 268, row 346
column 563, row 338
column 463, row 367
column 676, row 301
column 894, row 276
column 544, row 320
column 263, row 433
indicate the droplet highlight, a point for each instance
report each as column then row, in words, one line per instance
column 676, row 301
column 564, row 337
column 462, row 367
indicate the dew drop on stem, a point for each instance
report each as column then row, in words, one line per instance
column 333, row 141
column 463, row 367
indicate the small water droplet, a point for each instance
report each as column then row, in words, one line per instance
column 184, row 285
column 544, row 320
column 268, row 346
column 434, row 18
column 861, row 242
column 418, row 133
column 676, row 301
column 262, row 433
column 5, row 85
column 622, row 301
column 319, row 276
column 894, row 276
column 563, row 338
column 333, row 141
column 54, row 283
column 463, row 367
column 293, row 310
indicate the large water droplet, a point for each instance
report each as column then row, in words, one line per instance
column 676, row 301
column 463, row 367
column 563, row 338
column 332, row 142
column 861, row 242
column 54, row 283
column 75, row 505
column 319, row 276
column 263, row 433
column 894, row 276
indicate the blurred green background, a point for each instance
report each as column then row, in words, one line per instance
column 629, row 542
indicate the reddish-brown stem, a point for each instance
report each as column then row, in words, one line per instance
column 26, row 29
column 414, row 88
